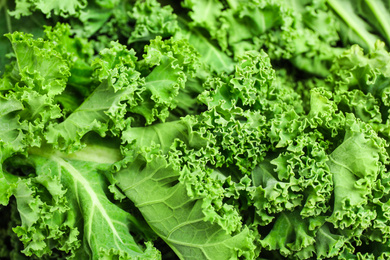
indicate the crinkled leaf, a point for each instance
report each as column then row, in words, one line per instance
column 73, row 203
column 69, row 8
column 355, row 166
column 211, row 55
column 151, row 20
column 176, row 217
column 172, row 62
column 92, row 115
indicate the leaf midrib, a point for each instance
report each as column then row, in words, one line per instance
column 89, row 190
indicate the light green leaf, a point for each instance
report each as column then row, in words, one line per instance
column 210, row 53
column 12, row 140
column 176, row 217
column 355, row 29
column 355, row 165
column 93, row 115
column 151, row 20
column 77, row 193
column 68, row 8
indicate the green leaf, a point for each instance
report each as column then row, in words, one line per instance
column 74, row 202
column 105, row 107
column 354, row 29
column 289, row 234
column 355, row 165
column 204, row 13
column 172, row 63
column 94, row 114
column 176, row 217
column 151, row 20
column 12, row 140
column 211, row 55
column 65, row 9
column 39, row 66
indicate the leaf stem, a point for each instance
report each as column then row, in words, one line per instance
column 379, row 10
column 91, row 153
column 352, row 22
column 3, row 5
